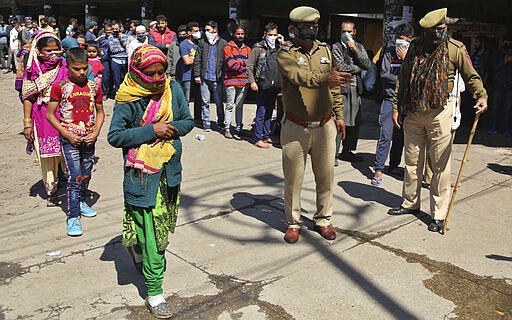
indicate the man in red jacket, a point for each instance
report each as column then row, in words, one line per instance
column 236, row 81
column 162, row 34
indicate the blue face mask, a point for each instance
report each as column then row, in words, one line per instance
column 141, row 37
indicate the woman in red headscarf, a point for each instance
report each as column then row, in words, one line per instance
column 150, row 116
column 43, row 68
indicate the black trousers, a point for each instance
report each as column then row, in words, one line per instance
column 397, row 147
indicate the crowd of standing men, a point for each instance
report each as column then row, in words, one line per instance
column 223, row 68
column 153, row 72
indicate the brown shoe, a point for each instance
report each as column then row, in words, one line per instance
column 292, row 235
column 327, row 232
column 228, row 135
column 268, row 140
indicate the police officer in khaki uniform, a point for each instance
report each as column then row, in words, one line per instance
column 314, row 115
column 423, row 94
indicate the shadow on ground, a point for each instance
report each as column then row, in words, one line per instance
column 126, row 273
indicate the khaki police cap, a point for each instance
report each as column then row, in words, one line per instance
column 305, row 14
column 433, row 18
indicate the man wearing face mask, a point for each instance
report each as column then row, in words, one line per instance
column 173, row 53
column 390, row 66
column 141, row 38
column 423, row 89
column 264, row 78
column 188, row 49
column 209, row 72
column 106, row 81
column 118, row 56
column 314, row 115
column 350, row 56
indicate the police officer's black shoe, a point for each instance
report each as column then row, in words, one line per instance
column 350, row 157
column 401, row 210
column 436, row 226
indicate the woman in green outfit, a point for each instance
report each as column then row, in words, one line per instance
column 150, row 115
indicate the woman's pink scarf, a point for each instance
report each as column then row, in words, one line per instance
column 47, row 136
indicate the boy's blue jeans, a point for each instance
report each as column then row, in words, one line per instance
column 79, row 161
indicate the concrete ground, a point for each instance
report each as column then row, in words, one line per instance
column 227, row 258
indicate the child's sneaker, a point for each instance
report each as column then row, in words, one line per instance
column 86, row 210
column 74, row 227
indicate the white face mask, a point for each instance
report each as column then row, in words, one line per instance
column 271, row 40
column 197, row 35
column 211, row 36
column 401, row 43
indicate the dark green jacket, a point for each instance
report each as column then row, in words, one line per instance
column 125, row 132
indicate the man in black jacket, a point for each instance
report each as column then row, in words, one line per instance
column 209, row 72
column 264, row 78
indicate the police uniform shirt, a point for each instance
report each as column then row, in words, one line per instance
column 305, row 82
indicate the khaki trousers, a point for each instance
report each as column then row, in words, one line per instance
column 432, row 128
column 297, row 142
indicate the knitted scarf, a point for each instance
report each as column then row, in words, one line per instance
column 136, row 85
column 428, row 83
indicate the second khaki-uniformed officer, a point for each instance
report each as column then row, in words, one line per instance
column 423, row 92
column 314, row 114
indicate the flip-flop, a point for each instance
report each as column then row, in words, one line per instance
column 376, row 182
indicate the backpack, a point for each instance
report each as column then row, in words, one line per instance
column 268, row 76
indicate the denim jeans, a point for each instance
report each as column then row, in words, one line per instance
column 265, row 102
column 235, row 96
column 118, row 73
column 190, row 87
column 79, row 161
column 208, row 88
column 385, row 136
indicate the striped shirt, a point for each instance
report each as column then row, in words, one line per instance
column 236, row 64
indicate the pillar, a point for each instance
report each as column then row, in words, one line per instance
column 48, row 10
column 91, row 13
column 393, row 13
column 146, row 10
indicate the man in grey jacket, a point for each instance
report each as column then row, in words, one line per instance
column 209, row 73
column 350, row 56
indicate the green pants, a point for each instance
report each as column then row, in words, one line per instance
column 153, row 261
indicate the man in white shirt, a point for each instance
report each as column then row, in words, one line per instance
column 141, row 38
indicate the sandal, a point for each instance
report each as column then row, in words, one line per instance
column 161, row 311
column 376, row 182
